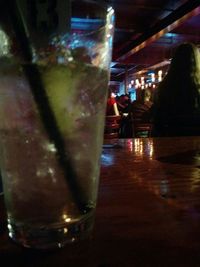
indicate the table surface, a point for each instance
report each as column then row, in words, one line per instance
column 148, row 211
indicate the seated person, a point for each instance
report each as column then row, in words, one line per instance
column 123, row 103
column 112, row 108
column 176, row 103
column 141, row 108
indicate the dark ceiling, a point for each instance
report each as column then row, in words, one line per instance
column 147, row 31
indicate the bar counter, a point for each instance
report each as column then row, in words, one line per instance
column 148, row 211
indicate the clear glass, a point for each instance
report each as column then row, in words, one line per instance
column 54, row 72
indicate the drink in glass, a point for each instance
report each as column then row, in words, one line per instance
column 54, row 75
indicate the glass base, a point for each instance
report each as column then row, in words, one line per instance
column 51, row 237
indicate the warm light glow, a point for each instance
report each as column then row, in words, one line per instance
column 138, row 145
column 137, row 83
column 150, row 148
column 66, row 218
column 65, row 230
column 160, row 75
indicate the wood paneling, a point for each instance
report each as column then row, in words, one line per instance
column 147, row 32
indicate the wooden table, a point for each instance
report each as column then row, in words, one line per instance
column 148, row 210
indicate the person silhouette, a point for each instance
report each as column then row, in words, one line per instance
column 176, row 102
column 111, row 108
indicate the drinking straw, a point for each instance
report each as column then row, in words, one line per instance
column 47, row 116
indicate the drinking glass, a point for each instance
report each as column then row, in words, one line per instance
column 54, row 72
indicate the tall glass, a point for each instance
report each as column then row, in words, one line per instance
column 54, row 72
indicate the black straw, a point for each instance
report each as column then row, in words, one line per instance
column 47, row 116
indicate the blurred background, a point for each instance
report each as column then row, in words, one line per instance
column 146, row 34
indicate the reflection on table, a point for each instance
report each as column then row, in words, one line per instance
column 148, row 211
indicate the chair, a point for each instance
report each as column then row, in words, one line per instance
column 141, row 126
column 141, row 129
column 112, row 127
